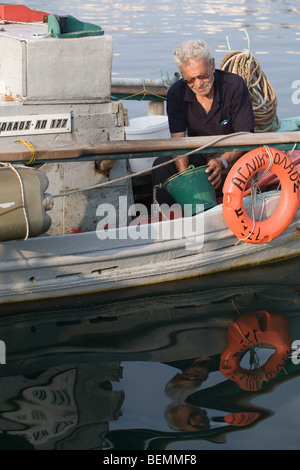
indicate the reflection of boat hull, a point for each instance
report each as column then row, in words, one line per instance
column 54, row 267
column 149, row 324
column 78, row 352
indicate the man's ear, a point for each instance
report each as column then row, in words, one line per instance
column 213, row 65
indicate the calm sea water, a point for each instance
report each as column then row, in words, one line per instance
column 95, row 377
column 146, row 32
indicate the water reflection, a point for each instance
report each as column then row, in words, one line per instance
column 65, row 385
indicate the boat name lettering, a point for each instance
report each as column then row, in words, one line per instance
column 14, row 126
column 277, row 367
column 252, row 380
column 253, row 377
column 239, row 212
column 292, row 171
column 258, row 162
column 58, row 123
column 35, row 124
column 246, row 232
column 252, row 235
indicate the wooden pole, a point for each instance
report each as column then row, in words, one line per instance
column 116, row 150
column 136, row 93
column 156, row 108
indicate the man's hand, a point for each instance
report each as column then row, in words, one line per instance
column 214, row 169
column 216, row 166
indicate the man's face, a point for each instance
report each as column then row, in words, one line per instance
column 199, row 76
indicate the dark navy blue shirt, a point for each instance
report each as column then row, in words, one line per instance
column 231, row 104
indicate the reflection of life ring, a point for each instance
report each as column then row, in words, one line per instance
column 241, row 418
column 234, row 212
column 255, row 329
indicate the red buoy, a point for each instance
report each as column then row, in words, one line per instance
column 21, row 14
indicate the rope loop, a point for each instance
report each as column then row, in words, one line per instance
column 32, row 150
column 144, row 92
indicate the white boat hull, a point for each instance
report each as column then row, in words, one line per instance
column 50, row 267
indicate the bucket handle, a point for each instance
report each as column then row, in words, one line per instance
column 190, row 167
column 156, row 187
column 160, row 185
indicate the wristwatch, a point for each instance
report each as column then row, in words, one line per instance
column 225, row 164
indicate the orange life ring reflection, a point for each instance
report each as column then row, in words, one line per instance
column 256, row 329
column 234, row 211
column 241, row 418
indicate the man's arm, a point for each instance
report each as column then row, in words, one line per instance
column 182, row 163
column 215, row 165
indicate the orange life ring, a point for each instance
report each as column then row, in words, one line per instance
column 241, row 418
column 255, row 329
column 233, row 206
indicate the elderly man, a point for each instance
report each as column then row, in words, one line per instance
column 206, row 101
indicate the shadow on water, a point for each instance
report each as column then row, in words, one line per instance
column 57, row 387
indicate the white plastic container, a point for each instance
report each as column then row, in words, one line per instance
column 146, row 127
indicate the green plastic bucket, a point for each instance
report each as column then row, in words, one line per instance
column 190, row 188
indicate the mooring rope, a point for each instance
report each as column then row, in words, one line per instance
column 148, row 170
column 144, row 92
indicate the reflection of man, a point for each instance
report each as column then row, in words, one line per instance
column 185, row 414
column 194, row 373
column 184, row 417
column 205, row 101
column 190, row 418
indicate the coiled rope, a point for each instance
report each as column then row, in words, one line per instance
column 262, row 94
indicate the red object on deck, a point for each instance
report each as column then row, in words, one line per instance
column 21, row 14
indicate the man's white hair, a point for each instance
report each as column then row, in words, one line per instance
column 193, row 49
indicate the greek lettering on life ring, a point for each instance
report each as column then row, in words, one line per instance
column 233, row 207
column 256, row 329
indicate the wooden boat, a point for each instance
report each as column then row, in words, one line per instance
column 80, row 263
column 76, row 255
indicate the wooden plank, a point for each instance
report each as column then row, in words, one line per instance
column 57, row 151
